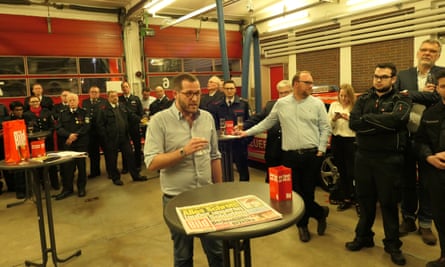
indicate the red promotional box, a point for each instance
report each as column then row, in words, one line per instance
column 38, row 148
column 229, row 127
column 280, row 183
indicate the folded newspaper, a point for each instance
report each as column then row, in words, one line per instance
column 59, row 154
column 226, row 214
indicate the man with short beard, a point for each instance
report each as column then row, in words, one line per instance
column 379, row 118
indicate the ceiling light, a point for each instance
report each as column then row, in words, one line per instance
column 364, row 4
column 155, row 6
column 191, row 15
column 288, row 21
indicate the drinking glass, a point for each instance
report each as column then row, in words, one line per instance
column 222, row 126
column 240, row 122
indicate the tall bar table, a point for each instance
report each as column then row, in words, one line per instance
column 34, row 166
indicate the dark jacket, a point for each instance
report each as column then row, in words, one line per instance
column 159, row 105
column 134, row 105
column 107, row 124
column 58, row 108
column 93, row 112
column 77, row 122
column 407, row 80
column 206, row 99
column 380, row 122
column 220, row 109
column 430, row 138
column 45, row 122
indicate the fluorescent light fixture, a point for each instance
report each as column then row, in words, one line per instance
column 364, row 4
column 190, row 15
column 288, row 19
column 158, row 5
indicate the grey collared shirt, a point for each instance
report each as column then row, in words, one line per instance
column 168, row 131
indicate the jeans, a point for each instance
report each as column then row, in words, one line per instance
column 183, row 248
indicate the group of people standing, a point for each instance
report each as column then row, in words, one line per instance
column 381, row 159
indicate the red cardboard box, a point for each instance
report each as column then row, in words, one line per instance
column 38, row 148
column 280, row 183
column 229, row 127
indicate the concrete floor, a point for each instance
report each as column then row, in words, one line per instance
column 123, row 226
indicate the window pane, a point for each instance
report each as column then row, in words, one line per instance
column 56, row 86
column 100, row 65
column 42, row 65
column 10, row 88
column 99, row 82
column 12, row 65
column 234, row 65
column 198, row 65
column 164, row 65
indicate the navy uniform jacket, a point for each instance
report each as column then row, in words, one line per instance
column 58, row 108
column 206, row 99
column 93, row 111
column 134, row 105
column 239, row 107
column 159, row 105
column 45, row 122
column 407, row 80
column 45, row 102
column 77, row 122
column 107, row 124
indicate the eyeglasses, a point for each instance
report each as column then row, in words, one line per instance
column 230, row 88
column 383, row 77
column 35, row 101
column 190, row 94
column 307, row 82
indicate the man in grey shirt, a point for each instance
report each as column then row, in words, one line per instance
column 182, row 142
column 305, row 132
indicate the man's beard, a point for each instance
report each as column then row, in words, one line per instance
column 383, row 89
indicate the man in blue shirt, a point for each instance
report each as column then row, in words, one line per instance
column 305, row 132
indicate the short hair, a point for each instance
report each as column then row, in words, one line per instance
column 388, row 66
column 146, row 89
column 350, row 92
column 94, row 87
column 229, row 81
column 124, row 82
column 177, row 81
column 297, row 75
column 214, row 77
column 111, row 92
column 15, row 104
column 434, row 42
column 440, row 74
column 283, row 83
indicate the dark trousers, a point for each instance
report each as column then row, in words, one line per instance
column 135, row 136
column 239, row 153
column 111, row 153
column 343, row 151
column 94, row 154
column 415, row 197
column 378, row 179
column 68, row 174
column 435, row 183
column 305, row 174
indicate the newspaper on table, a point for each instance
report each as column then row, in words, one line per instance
column 226, row 214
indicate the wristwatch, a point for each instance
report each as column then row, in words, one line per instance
column 182, row 152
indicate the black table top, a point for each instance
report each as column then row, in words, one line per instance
column 30, row 164
column 40, row 134
column 292, row 210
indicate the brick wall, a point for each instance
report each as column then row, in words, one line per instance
column 324, row 65
column 365, row 57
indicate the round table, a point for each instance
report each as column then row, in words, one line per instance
column 237, row 239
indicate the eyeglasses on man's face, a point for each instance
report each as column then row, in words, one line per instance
column 382, row 77
column 191, row 94
column 307, row 82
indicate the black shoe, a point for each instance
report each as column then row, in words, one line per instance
column 396, row 256
column 81, row 192
column 92, row 176
column 322, row 224
column 407, row 225
column 55, row 186
column 118, row 182
column 356, row 245
column 63, row 195
column 20, row 195
column 304, row 234
column 343, row 206
column 140, row 178
column 124, row 171
column 437, row 263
